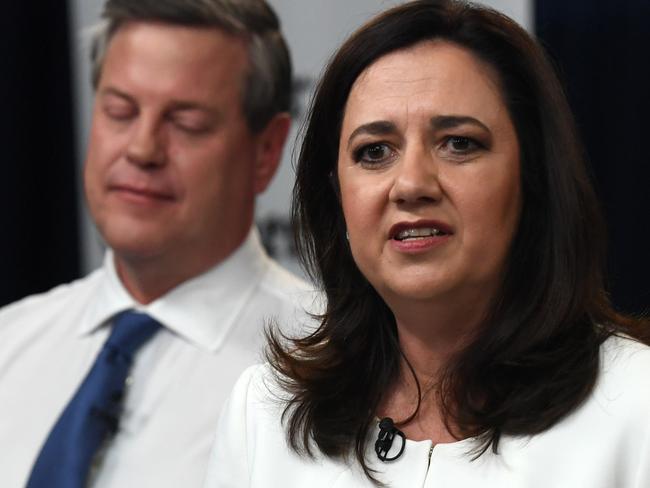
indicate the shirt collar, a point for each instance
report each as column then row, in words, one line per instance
column 201, row 310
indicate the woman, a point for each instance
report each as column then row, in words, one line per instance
column 443, row 205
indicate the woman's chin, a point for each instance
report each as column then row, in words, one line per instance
column 415, row 291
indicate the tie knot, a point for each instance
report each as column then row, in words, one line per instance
column 130, row 331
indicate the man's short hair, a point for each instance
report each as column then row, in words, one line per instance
column 267, row 86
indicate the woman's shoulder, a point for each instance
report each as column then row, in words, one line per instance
column 249, row 428
column 258, row 389
column 625, row 356
column 624, row 380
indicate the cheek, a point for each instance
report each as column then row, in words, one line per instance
column 213, row 178
column 362, row 206
column 105, row 147
column 197, row 163
column 490, row 209
column 96, row 161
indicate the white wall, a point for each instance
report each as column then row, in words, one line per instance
column 313, row 28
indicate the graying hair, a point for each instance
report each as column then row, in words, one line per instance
column 267, row 87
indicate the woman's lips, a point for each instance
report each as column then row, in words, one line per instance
column 419, row 236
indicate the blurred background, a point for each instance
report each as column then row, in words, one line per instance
column 599, row 47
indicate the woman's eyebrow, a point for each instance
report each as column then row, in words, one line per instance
column 442, row 122
column 438, row 122
column 379, row 127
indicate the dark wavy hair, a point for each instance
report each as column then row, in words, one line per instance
column 536, row 355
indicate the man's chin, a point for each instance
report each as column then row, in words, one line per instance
column 137, row 246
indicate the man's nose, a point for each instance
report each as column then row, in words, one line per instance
column 416, row 177
column 146, row 145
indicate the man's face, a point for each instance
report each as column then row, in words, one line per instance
column 172, row 167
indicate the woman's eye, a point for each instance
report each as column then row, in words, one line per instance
column 373, row 153
column 459, row 145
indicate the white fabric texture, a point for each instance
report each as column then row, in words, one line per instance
column 212, row 331
column 605, row 443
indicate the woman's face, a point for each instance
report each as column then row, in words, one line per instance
column 428, row 168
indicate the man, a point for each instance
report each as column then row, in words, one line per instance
column 189, row 123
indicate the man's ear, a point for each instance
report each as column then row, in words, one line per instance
column 270, row 143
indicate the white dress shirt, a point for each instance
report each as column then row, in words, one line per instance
column 605, row 443
column 212, row 331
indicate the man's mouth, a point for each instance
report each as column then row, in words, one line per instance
column 141, row 192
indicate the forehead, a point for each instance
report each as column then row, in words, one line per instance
column 429, row 77
column 164, row 58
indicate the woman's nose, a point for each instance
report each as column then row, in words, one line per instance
column 416, row 177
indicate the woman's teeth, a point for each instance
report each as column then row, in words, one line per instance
column 418, row 233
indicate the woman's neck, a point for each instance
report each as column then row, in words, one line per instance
column 430, row 335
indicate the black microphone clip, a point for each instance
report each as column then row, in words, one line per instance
column 387, row 433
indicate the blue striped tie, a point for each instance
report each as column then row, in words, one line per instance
column 93, row 413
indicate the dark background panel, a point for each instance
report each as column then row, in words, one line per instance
column 39, row 247
column 602, row 51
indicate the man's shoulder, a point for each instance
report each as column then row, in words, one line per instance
column 288, row 288
column 279, row 276
column 52, row 301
